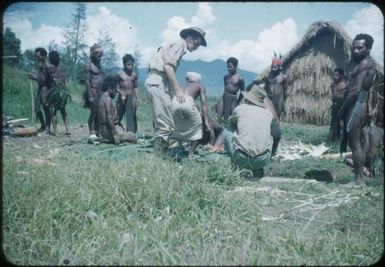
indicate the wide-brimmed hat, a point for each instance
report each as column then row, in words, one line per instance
column 256, row 95
column 194, row 30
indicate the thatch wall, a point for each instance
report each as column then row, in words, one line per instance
column 309, row 67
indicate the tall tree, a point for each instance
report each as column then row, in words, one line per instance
column 53, row 46
column 75, row 34
column 27, row 62
column 110, row 57
column 11, row 47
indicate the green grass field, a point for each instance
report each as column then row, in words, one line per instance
column 66, row 202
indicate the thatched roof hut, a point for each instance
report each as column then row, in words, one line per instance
column 309, row 67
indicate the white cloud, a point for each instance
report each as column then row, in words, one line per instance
column 254, row 55
column 120, row 30
column 203, row 18
column 30, row 39
column 371, row 21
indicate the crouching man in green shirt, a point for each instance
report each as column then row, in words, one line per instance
column 250, row 144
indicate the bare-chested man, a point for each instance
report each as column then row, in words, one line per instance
column 233, row 83
column 58, row 93
column 107, row 116
column 338, row 90
column 94, row 83
column 276, row 86
column 358, row 119
column 42, row 91
column 128, row 98
column 187, row 119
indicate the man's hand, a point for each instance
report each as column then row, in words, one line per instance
column 31, row 76
column 116, row 139
column 179, row 95
column 211, row 133
column 135, row 102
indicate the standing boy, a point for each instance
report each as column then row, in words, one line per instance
column 128, row 99
column 233, row 83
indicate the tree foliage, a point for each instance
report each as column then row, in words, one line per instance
column 27, row 62
column 110, row 57
column 11, row 48
column 76, row 48
column 137, row 57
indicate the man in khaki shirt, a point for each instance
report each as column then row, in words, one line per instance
column 250, row 144
column 161, row 83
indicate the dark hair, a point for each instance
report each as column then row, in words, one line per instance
column 54, row 57
column 368, row 39
column 340, row 71
column 110, row 82
column 41, row 51
column 233, row 61
column 94, row 46
column 128, row 57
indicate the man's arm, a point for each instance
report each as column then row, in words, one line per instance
column 241, row 84
column 136, row 90
column 284, row 87
column 88, row 82
column 170, row 73
column 233, row 118
column 32, row 77
column 110, row 116
column 204, row 107
column 365, row 77
column 47, row 80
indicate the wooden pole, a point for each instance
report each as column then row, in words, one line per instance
column 32, row 102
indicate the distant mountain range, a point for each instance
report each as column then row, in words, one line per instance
column 212, row 74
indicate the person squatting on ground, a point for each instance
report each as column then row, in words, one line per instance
column 58, row 94
column 338, row 90
column 275, row 125
column 107, row 116
column 94, row 78
column 128, row 99
column 355, row 107
column 161, row 83
column 249, row 141
column 42, row 90
column 233, row 83
column 186, row 116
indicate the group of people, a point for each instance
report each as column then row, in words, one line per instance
column 52, row 93
column 253, row 132
column 251, row 113
column 104, row 119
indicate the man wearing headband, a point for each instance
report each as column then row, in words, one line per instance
column 161, row 83
column 94, row 84
column 276, row 85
